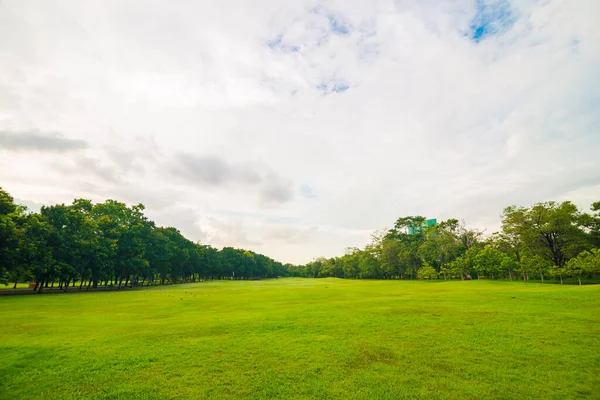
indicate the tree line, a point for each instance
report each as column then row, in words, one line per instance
column 114, row 245
column 88, row 245
column 548, row 240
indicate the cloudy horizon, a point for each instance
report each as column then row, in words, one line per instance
column 297, row 130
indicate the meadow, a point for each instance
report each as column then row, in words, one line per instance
column 305, row 338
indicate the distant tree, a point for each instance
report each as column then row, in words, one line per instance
column 551, row 230
column 389, row 258
column 8, row 236
column 442, row 244
column 592, row 223
column 536, row 265
column 427, row 272
column 488, row 261
column 586, row 263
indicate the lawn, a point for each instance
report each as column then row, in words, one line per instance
column 11, row 286
column 305, row 338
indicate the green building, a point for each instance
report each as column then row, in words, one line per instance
column 417, row 229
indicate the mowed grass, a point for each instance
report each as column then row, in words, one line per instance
column 305, row 338
column 12, row 286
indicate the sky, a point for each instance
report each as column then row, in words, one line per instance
column 298, row 128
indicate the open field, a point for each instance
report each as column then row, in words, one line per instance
column 305, row 338
column 11, row 286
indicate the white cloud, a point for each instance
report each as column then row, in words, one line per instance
column 349, row 114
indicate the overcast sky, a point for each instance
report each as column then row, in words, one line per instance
column 297, row 128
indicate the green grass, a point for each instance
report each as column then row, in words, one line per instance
column 11, row 286
column 301, row 338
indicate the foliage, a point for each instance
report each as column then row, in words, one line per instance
column 110, row 244
column 586, row 263
column 427, row 272
column 536, row 241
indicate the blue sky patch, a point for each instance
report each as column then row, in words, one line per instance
column 337, row 25
column 333, row 87
column 491, row 18
column 308, row 192
column 339, row 87
column 277, row 43
column 575, row 45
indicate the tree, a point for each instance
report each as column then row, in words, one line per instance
column 427, row 272
column 535, row 264
column 35, row 252
column 8, row 235
column 464, row 264
column 488, row 261
column 389, row 258
column 586, row 263
column 592, row 222
column 350, row 263
column 441, row 244
column 550, row 230
column 468, row 237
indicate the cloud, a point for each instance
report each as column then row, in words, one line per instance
column 214, row 171
column 125, row 160
column 276, row 189
column 37, row 141
column 88, row 166
column 381, row 109
column 289, row 235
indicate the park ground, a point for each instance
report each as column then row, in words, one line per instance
column 305, row 338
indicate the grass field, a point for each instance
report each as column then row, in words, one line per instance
column 305, row 338
column 11, row 286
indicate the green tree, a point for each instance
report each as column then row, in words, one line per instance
column 488, row 261
column 586, row 263
column 427, row 272
column 536, row 265
column 8, row 236
column 551, row 230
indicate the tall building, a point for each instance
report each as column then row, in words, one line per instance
column 417, row 229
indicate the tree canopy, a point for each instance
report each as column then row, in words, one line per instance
column 545, row 240
column 111, row 244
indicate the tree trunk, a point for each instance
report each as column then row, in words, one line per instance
column 542, row 275
column 579, row 278
column 41, row 285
